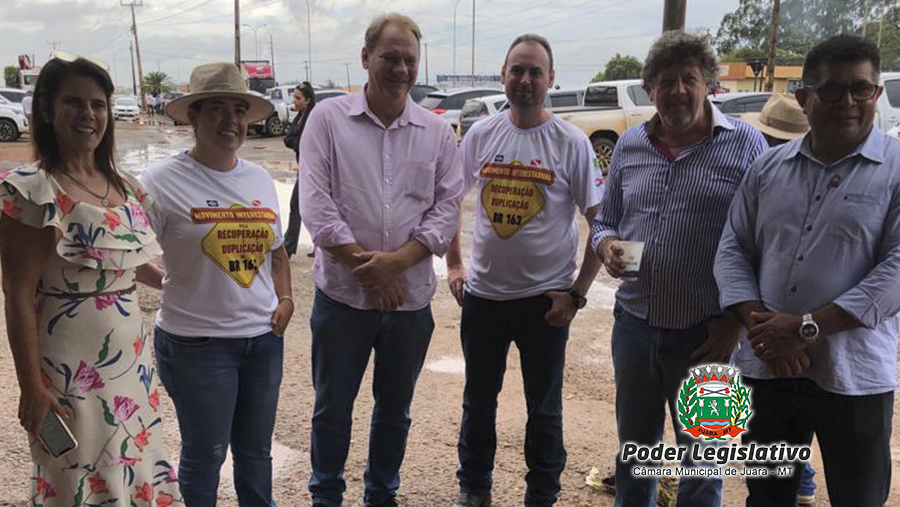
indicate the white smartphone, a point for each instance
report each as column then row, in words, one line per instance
column 55, row 436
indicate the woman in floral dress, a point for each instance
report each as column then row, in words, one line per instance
column 72, row 233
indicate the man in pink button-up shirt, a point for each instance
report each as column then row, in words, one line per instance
column 380, row 190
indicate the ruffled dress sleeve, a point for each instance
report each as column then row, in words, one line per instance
column 91, row 236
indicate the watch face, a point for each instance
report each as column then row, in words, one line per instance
column 809, row 330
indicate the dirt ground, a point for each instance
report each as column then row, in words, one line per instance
column 428, row 472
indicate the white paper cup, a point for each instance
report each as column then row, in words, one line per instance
column 634, row 250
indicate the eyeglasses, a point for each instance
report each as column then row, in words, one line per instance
column 860, row 91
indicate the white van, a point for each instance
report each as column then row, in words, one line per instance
column 887, row 112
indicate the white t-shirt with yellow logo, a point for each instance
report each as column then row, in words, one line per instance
column 529, row 184
column 216, row 230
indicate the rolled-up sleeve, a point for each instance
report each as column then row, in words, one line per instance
column 735, row 266
column 440, row 223
column 606, row 222
column 317, row 207
column 877, row 296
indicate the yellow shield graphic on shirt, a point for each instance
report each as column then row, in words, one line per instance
column 512, row 197
column 239, row 241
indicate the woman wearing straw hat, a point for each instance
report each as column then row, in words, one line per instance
column 226, row 290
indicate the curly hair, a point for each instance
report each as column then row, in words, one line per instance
column 676, row 48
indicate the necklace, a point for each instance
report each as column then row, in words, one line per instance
column 104, row 201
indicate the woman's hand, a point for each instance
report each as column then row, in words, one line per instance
column 34, row 404
column 282, row 316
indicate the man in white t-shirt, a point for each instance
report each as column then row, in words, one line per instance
column 532, row 171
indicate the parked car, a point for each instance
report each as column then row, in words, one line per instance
column 282, row 98
column 475, row 110
column 126, row 108
column 887, row 109
column 14, row 95
column 420, row 91
column 894, row 131
column 270, row 126
column 565, row 97
column 735, row 104
column 12, row 123
column 17, row 106
column 449, row 104
column 610, row 107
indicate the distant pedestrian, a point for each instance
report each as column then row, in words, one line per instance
column 380, row 191
column 670, row 183
column 810, row 261
column 304, row 101
column 534, row 173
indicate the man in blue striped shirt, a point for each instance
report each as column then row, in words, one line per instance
column 810, row 260
column 670, row 184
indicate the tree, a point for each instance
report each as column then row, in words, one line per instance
column 802, row 24
column 330, row 84
column 746, row 53
column 622, row 67
column 156, row 83
column 11, row 76
column 600, row 76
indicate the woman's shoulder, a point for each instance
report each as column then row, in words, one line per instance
column 31, row 183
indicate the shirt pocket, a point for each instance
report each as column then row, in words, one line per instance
column 418, row 181
column 858, row 218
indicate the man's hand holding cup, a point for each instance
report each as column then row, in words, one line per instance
column 611, row 252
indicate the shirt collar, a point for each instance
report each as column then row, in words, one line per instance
column 872, row 148
column 719, row 121
column 411, row 112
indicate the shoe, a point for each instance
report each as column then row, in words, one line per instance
column 609, row 484
column 806, row 500
column 391, row 502
column 473, row 500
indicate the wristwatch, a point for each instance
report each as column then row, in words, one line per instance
column 579, row 300
column 809, row 330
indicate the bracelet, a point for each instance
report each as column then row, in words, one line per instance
column 287, row 298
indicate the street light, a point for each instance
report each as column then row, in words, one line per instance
column 455, row 5
column 255, row 36
column 309, row 42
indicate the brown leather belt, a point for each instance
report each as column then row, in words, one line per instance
column 66, row 295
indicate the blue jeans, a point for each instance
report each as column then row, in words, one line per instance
column 807, row 480
column 650, row 365
column 225, row 391
column 488, row 328
column 343, row 338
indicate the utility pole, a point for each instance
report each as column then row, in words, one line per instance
column 426, row 63
column 306, row 66
column 773, row 42
column 137, row 49
column 881, row 25
column 455, row 5
column 674, row 14
column 133, row 77
column 473, row 42
column 237, row 33
column 348, row 75
column 272, row 52
column 866, row 18
column 54, row 44
column 308, row 43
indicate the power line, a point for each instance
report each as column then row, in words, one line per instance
column 179, row 13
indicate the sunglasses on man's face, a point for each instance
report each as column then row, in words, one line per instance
column 859, row 91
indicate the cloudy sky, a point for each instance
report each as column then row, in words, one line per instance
column 176, row 35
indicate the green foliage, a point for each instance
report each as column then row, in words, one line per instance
column 745, row 53
column 11, row 76
column 156, row 83
column 686, row 404
column 599, row 76
column 623, row 67
column 741, row 399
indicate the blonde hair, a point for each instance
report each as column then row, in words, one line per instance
column 373, row 33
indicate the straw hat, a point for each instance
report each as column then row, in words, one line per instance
column 781, row 117
column 218, row 80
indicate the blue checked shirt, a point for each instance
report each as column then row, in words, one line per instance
column 801, row 235
column 678, row 209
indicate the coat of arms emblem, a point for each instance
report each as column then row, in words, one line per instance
column 713, row 404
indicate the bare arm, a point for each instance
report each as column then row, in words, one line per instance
column 591, row 263
column 150, row 275
column 456, row 271
column 23, row 252
column 281, row 277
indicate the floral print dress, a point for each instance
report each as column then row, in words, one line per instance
column 94, row 347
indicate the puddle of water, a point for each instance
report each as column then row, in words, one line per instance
column 135, row 161
column 448, row 364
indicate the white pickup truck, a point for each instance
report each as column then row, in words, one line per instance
column 610, row 108
column 887, row 110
